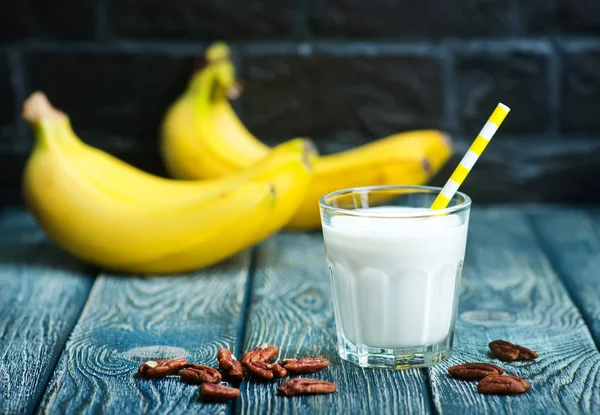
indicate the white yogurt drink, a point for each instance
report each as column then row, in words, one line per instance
column 395, row 282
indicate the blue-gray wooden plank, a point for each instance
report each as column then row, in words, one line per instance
column 291, row 308
column 129, row 320
column 43, row 293
column 571, row 238
column 510, row 291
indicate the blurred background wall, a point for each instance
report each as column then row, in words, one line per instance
column 343, row 72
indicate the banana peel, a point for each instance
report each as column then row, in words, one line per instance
column 120, row 218
column 203, row 138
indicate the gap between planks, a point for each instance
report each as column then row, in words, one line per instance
column 245, row 311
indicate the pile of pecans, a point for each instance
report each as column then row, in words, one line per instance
column 257, row 362
column 492, row 379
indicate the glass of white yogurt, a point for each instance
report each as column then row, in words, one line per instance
column 395, row 268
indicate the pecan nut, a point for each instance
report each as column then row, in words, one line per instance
column 263, row 353
column 230, row 365
column 508, row 352
column 159, row 368
column 304, row 364
column 256, row 361
column 305, row 386
column 193, row 373
column 502, row 384
column 218, row 393
column 266, row 371
column 474, row 371
column 277, row 370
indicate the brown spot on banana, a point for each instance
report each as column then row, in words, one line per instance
column 426, row 164
column 273, row 190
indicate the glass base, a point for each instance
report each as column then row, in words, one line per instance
column 395, row 359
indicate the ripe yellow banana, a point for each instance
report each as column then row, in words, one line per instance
column 193, row 138
column 115, row 216
column 410, row 158
column 107, row 171
column 202, row 138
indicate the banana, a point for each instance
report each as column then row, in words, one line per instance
column 193, row 116
column 117, row 217
column 202, row 138
column 410, row 158
column 111, row 172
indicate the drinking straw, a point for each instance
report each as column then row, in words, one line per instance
column 469, row 159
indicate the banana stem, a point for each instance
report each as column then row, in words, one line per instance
column 50, row 126
column 202, row 85
column 37, row 108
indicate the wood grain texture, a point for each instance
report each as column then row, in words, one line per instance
column 43, row 292
column 291, row 308
column 510, row 292
column 130, row 320
column 571, row 238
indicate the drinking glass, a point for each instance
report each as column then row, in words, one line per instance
column 395, row 268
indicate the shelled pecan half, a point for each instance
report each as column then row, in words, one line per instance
column 160, row 368
column 502, row 384
column 231, row 367
column 474, row 371
column 256, row 361
column 218, row 393
column 305, row 386
column 304, row 364
column 508, row 352
column 193, row 373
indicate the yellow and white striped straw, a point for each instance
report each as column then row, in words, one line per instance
column 468, row 161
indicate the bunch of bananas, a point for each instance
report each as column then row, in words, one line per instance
column 230, row 191
column 115, row 216
column 202, row 138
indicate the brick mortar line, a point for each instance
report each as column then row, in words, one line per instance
column 301, row 26
column 516, row 24
column 555, row 85
column 577, row 44
column 450, row 93
column 338, row 47
column 101, row 27
column 22, row 139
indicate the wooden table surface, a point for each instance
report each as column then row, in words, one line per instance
column 72, row 337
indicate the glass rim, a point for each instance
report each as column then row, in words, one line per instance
column 465, row 204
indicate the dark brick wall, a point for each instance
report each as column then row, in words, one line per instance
column 119, row 95
column 341, row 92
column 414, row 19
column 344, row 72
column 7, row 102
